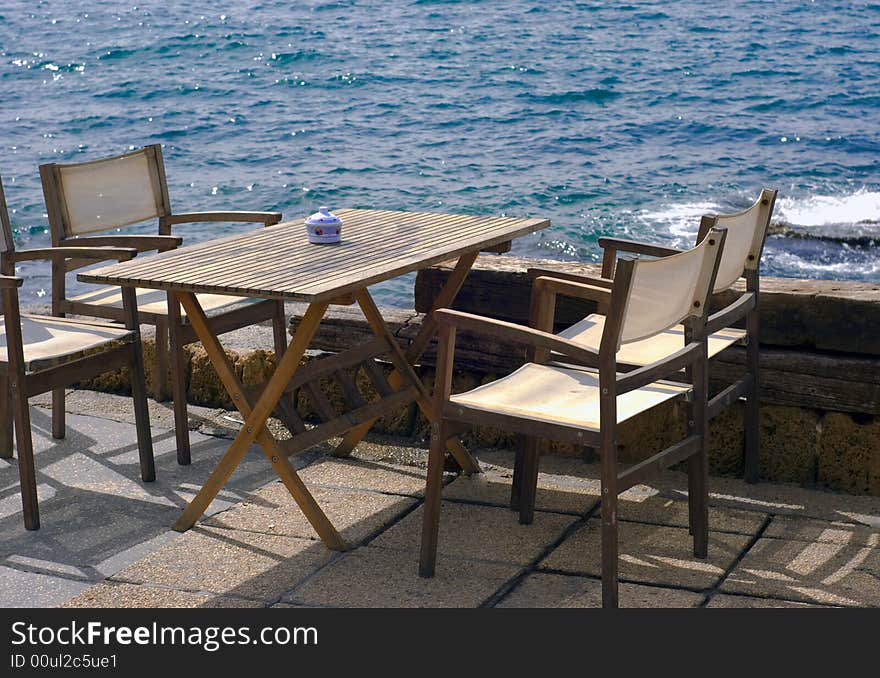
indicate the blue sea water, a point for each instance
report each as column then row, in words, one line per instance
column 629, row 118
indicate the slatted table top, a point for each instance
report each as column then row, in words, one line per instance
column 278, row 262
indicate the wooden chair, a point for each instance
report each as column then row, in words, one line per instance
column 40, row 353
column 746, row 233
column 107, row 194
column 555, row 396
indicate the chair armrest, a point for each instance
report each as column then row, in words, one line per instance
column 612, row 246
column 636, row 247
column 660, row 369
column 141, row 243
column 7, row 281
column 63, row 253
column 572, row 277
column 592, row 289
column 731, row 313
column 266, row 218
column 518, row 334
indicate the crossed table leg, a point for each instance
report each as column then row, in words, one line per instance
column 256, row 413
column 255, row 419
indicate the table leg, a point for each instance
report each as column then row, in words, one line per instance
column 417, row 348
column 404, row 372
column 255, row 420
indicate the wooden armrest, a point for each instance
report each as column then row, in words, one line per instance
column 733, row 312
column 612, row 245
column 10, row 281
column 518, row 334
column 660, row 369
column 267, row 218
column 591, row 291
column 141, row 243
column 572, row 277
column 62, row 253
column 636, row 247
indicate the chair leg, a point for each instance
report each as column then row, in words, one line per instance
column 516, row 486
column 178, row 393
column 6, row 425
column 433, row 492
column 610, row 546
column 142, row 415
column 59, row 423
column 753, row 405
column 160, row 364
column 529, row 484
column 698, row 463
column 26, row 470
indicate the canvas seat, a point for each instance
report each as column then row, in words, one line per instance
column 588, row 333
column 88, row 203
column 556, row 396
column 156, row 301
column 564, row 396
column 42, row 353
column 46, row 339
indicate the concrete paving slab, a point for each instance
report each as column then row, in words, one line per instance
column 728, row 601
column 652, row 554
column 558, row 493
column 775, row 498
column 358, row 474
column 114, row 594
column 660, row 510
column 373, row 577
column 480, row 532
column 822, row 572
column 803, row 529
column 25, row 587
column 238, row 563
column 543, row 590
column 356, row 514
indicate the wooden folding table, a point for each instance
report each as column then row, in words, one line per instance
column 279, row 263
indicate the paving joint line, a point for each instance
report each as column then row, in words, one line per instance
column 713, row 591
column 513, row 583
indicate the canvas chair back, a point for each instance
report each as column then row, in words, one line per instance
column 105, row 194
column 653, row 295
column 746, row 232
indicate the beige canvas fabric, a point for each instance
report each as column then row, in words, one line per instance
column 745, row 235
column 46, row 338
column 558, row 395
column 664, row 291
column 588, row 333
column 156, row 301
column 108, row 193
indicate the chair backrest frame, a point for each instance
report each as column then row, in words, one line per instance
column 763, row 210
column 688, row 300
column 63, row 204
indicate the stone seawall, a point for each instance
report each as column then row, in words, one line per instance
column 820, row 379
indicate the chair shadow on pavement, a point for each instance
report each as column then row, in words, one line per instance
column 105, row 540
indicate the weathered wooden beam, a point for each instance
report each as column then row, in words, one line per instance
column 826, row 315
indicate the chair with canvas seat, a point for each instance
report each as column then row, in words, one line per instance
column 86, row 198
column 41, row 353
column 746, row 233
column 556, row 396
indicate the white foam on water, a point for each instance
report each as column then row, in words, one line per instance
column 821, row 210
column 681, row 220
column 800, row 267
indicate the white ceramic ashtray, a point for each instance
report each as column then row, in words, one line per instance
column 324, row 227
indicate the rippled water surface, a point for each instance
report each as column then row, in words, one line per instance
column 607, row 118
